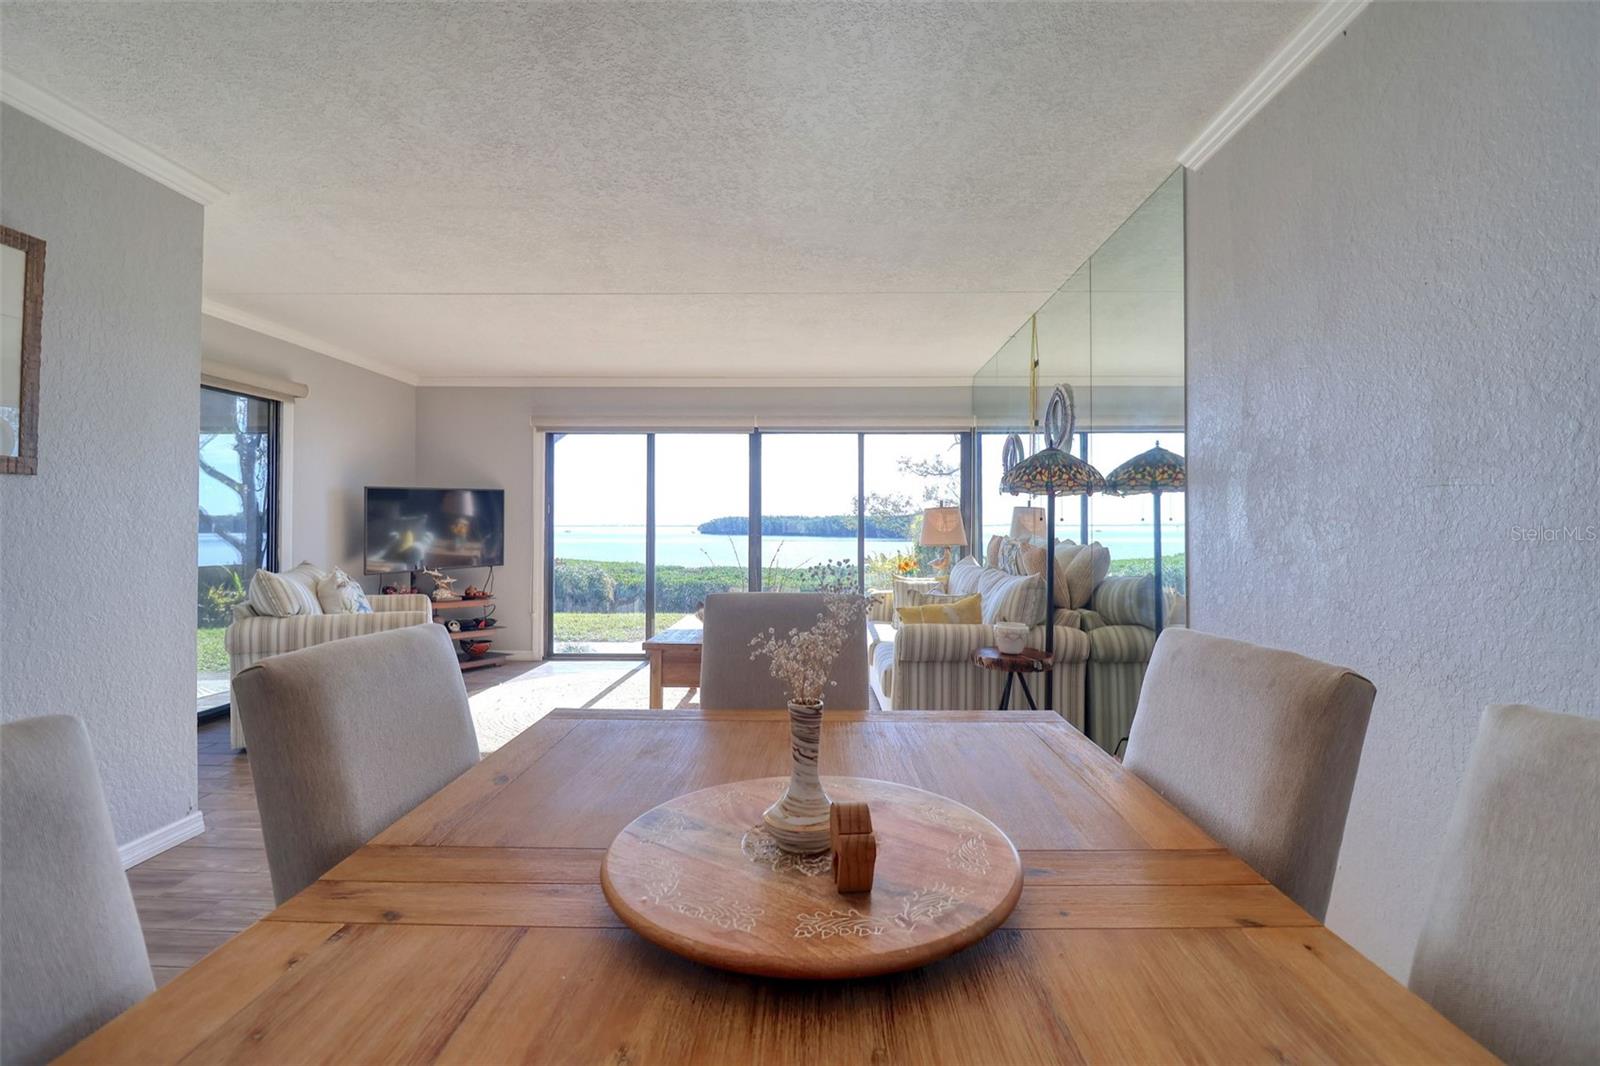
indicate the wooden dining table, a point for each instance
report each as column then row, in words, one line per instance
column 474, row 930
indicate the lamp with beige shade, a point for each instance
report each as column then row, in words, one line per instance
column 1027, row 523
column 942, row 528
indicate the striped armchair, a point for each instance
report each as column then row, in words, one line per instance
column 252, row 637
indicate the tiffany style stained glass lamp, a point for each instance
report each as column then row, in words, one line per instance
column 1051, row 472
column 1155, row 471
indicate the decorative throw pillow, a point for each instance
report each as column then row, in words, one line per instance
column 1021, row 556
column 338, row 593
column 958, row 610
column 1129, row 600
column 906, row 587
column 287, row 594
column 1079, row 570
column 921, row 598
column 964, row 575
column 1010, row 556
column 1013, row 598
column 1006, row 597
column 991, row 556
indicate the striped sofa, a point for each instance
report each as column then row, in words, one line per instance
column 1100, row 653
column 252, row 637
column 930, row 667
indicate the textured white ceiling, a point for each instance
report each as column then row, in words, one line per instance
column 617, row 189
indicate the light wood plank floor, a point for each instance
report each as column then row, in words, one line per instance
column 194, row 896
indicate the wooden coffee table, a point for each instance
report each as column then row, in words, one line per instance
column 674, row 660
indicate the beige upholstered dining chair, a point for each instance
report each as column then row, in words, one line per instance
column 1510, row 950
column 1259, row 747
column 72, row 956
column 731, row 680
column 345, row 738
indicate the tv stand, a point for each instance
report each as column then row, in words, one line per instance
column 493, row 658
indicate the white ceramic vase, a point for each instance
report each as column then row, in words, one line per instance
column 1010, row 637
column 799, row 820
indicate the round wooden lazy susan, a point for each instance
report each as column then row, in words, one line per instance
column 699, row 876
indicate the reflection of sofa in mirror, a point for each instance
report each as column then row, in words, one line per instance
column 1120, row 624
column 929, row 665
column 1101, row 649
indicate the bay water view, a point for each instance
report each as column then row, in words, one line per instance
column 687, row 546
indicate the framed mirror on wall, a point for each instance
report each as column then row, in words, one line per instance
column 21, row 315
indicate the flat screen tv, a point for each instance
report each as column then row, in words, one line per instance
column 434, row 529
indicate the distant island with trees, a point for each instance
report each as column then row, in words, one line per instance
column 878, row 527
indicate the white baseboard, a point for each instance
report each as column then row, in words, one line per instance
column 152, row 844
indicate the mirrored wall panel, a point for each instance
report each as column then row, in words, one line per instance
column 1114, row 333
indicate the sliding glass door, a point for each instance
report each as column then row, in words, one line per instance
column 238, row 470
column 641, row 527
column 597, row 509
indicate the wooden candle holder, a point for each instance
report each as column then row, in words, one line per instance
column 855, row 847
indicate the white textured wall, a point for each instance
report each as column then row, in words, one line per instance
column 1394, row 366
column 486, row 438
column 354, row 428
column 97, row 551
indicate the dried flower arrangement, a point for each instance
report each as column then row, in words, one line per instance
column 802, row 659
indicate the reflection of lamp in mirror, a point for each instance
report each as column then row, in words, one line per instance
column 942, row 528
column 1051, row 472
column 459, row 504
column 1155, row 471
column 1028, row 522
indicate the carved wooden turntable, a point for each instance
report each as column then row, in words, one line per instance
column 698, row 875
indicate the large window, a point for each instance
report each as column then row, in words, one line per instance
column 702, row 526
column 809, row 485
column 238, row 459
column 643, row 526
column 902, row 474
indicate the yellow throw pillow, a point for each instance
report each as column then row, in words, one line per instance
column 966, row 611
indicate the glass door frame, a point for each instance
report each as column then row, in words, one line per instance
column 272, row 515
column 274, row 468
column 966, row 446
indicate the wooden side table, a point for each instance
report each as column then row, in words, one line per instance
column 674, row 660
column 1027, row 661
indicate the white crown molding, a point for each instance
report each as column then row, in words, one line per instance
column 152, row 844
column 77, row 124
column 1328, row 22
column 545, row 382
column 224, row 313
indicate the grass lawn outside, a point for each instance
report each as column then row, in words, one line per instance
column 209, row 652
column 599, row 627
